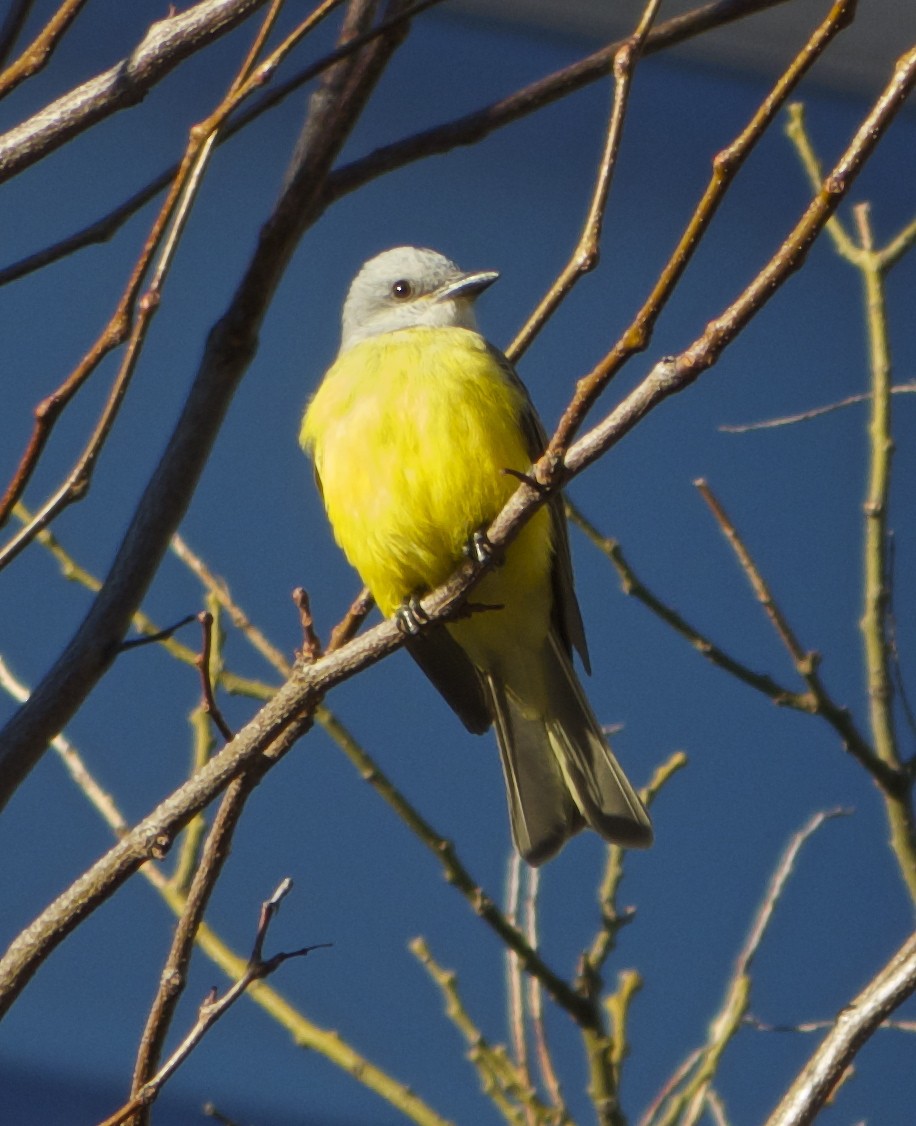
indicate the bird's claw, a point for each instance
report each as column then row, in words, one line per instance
column 478, row 548
column 410, row 617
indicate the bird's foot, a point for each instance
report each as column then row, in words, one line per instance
column 410, row 617
column 479, row 549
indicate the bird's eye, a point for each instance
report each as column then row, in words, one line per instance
column 401, row 290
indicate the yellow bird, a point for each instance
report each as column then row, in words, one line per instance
column 412, row 431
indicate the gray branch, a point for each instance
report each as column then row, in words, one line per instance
column 166, row 44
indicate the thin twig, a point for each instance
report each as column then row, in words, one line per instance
column 212, row 1111
column 203, row 747
column 618, row 1004
column 806, row 1026
column 173, row 979
column 586, row 255
column 725, row 167
column 347, row 628
column 633, row 586
column 814, row 412
column 454, row 871
column 86, row 783
column 514, row 991
column 675, row 1080
column 131, row 320
column 504, row 1084
column 877, row 594
column 465, row 130
column 215, row 1007
column 805, row 661
column 877, row 624
column 219, row 588
column 311, row 643
column 686, row 1105
column 327, row 1042
column 535, row 998
column 208, row 700
column 715, row 1107
column 612, row 918
column 39, row 51
column 158, row 635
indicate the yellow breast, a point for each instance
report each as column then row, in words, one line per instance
column 411, row 432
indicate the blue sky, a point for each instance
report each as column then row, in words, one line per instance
column 756, row 772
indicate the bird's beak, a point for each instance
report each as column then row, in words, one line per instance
column 467, row 285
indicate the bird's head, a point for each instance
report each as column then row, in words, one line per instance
column 408, row 287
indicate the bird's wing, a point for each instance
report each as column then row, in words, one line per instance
column 567, row 617
column 446, row 664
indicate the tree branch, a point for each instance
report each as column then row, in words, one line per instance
column 166, row 44
column 36, row 55
column 230, row 347
column 853, row 1027
column 215, row 1007
column 441, row 138
column 586, row 255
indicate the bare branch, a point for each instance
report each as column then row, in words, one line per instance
column 806, row 662
column 586, row 255
column 132, row 317
column 814, row 412
column 311, row 643
column 442, row 138
column 359, row 610
column 877, row 594
column 229, row 350
column 305, row 1032
column 13, row 22
column 673, row 374
column 36, row 55
column 506, row 1085
column 853, row 1027
column 685, row 1106
column 215, row 1007
column 454, row 871
column 725, row 167
column 634, row 587
column 806, row 1026
column 166, row 44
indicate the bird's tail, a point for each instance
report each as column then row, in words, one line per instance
column 560, row 772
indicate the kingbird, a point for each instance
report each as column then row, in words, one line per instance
column 418, row 432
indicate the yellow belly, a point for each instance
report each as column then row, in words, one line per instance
column 411, row 432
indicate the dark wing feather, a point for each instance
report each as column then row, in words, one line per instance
column 444, row 661
column 567, row 617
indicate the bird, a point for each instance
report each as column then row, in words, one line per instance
column 419, row 432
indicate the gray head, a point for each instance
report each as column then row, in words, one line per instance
column 406, row 287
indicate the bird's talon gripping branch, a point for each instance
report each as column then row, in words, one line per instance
column 410, row 617
column 479, row 549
